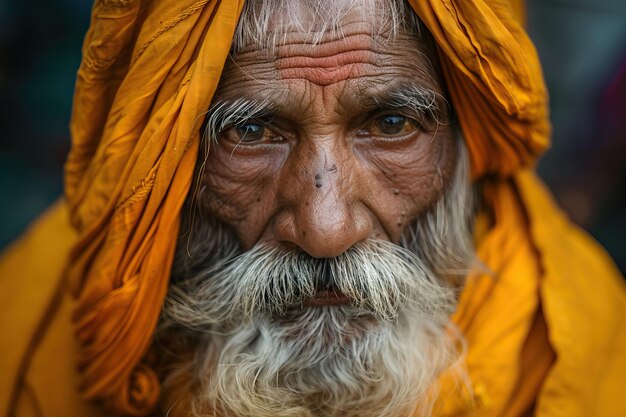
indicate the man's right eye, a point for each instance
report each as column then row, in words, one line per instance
column 250, row 132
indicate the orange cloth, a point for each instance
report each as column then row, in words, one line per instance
column 494, row 79
column 547, row 328
column 543, row 330
column 148, row 70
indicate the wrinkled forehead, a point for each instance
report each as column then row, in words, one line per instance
column 336, row 43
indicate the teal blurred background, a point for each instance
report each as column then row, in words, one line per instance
column 582, row 44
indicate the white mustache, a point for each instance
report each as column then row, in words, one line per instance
column 379, row 277
column 260, row 350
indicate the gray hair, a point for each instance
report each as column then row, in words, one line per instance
column 261, row 27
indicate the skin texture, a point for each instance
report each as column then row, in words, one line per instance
column 322, row 172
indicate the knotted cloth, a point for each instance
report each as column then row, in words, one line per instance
column 148, row 73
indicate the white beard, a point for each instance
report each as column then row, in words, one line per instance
column 270, row 369
column 259, row 352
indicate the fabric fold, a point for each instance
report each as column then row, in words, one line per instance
column 494, row 79
column 584, row 303
column 128, row 175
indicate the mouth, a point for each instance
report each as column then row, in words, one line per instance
column 330, row 297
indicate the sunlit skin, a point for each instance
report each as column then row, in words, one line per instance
column 331, row 166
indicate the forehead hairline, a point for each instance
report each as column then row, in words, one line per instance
column 264, row 24
column 413, row 66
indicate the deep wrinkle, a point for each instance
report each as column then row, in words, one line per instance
column 325, row 101
column 329, row 62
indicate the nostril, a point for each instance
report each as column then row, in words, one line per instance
column 322, row 213
column 328, row 234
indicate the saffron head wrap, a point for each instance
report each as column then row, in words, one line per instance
column 149, row 69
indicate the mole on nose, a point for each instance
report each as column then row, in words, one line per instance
column 328, row 222
column 318, row 181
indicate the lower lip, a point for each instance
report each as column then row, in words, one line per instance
column 327, row 298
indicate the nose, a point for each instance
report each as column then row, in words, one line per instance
column 324, row 210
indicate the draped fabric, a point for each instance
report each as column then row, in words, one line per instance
column 494, row 79
column 147, row 76
column 149, row 69
column 544, row 330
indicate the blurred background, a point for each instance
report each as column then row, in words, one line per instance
column 582, row 44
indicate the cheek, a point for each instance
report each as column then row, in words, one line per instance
column 240, row 188
column 408, row 179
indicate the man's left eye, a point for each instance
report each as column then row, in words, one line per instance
column 391, row 125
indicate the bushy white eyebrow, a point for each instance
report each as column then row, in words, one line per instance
column 226, row 113
column 420, row 99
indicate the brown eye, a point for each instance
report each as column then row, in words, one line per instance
column 390, row 126
column 393, row 124
column 250, row 132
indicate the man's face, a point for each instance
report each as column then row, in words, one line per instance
column 342, row 141
column 310, row 279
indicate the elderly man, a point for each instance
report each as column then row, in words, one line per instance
column 309, row 208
